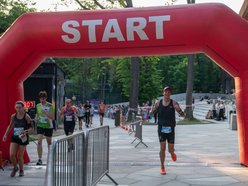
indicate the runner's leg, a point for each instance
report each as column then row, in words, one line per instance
column 39, row 146
column 162, row 153
column 21, row 150
column 13, row 150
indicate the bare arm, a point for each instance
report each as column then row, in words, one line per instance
column 178, row 109
column 76, row 110
column 49, row 115
column 155, row 108
column 61, row 114
column 11, row 125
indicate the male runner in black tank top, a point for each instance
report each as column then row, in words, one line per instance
column 166, row 125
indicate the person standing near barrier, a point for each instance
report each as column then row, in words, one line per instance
column 43, row 118
column 101, row 110
column 91, row 115
column 87, row 108
column 69, row 114
column 22, row 125
column 166, row 108
column 81, row 113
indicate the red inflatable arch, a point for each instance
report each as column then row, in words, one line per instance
column 212, row 29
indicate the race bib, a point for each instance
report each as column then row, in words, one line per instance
column 18, row 131
column 166, row 130
column 68, row 118
column 42, row 119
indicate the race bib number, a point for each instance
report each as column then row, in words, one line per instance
column 68, row 118
column 18, row 131
column 166, row 130
column 42, row 119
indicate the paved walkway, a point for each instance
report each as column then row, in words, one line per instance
column 207, row 155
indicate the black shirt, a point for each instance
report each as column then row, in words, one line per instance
column 87, row 108
column 166, row 114
column 20, row 125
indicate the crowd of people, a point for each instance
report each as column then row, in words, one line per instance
column 162, row 110
column 22, row 126
column 218, row 110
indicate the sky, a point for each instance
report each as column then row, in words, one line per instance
column 49, row 4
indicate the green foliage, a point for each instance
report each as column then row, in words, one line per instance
column 123, row 74
column 174, row 70
column 10, row 10
column 207, row 75
column 150, row 80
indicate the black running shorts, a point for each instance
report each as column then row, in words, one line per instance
column 45, row 131
column 170, row 138
column 69, row 127
column 17, row 140
column 80, row 118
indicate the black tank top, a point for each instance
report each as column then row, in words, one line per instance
column 20, row 124
column 166, row 115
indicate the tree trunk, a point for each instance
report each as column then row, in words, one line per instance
column 190, row 83
column 134, row 94
column 133, row 102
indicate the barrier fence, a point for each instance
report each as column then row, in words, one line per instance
column 79, row 159
column 135, row 128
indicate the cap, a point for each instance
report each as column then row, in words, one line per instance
column 168, row 88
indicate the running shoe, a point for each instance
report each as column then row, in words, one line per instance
column 21, row 173
column 174, row 157
column 162, row 171
column 39, row 162
column 14, row 171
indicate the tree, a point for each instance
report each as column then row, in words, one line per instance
column 173, row 69
column 190, row 82
column 150, row 78
column 10, row 10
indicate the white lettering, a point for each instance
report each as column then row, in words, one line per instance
column 92, row 28
column 159, row 24
column 133, row 27
column 112, row 24
column 66, row 27
column 139, row 29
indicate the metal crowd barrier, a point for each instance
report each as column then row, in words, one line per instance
column 66, row 164
column 97, row 155
column 84, row 164
column 136, row 128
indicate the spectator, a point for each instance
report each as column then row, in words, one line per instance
column 220, row 109
column 214, row 109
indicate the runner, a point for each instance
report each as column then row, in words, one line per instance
column 21, row 123
column 68, row 113
column 44, row 117
column 87, row 108
column 81, row 113
column 166, row 124
column 91, row 115
column 101, row 110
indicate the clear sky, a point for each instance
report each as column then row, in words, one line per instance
column 50, row 4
